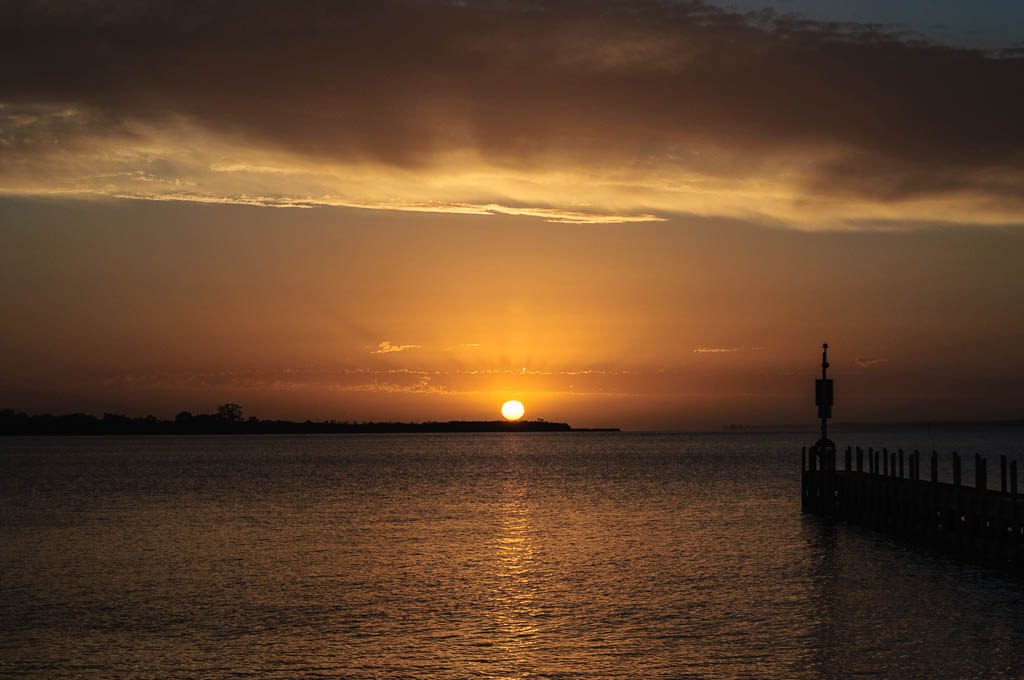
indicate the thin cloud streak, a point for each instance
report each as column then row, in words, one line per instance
column 385, row 347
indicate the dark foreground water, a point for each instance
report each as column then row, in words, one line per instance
column 497, row 555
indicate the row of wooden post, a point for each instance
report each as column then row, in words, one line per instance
column 893, row 463
column 891, row 494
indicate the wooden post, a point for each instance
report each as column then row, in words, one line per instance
column 933, row 506
column 1015, row 516
column 847, row 464
column 980, row 485
column 1002, row 473
column 871, row 460
column 826, row 478
column 957, row 483
column 803, row 477
column 860, row 459
column 824, row 487
column 920, row 500
column 831, row 483
column 901, row 463
column 823, row 482
column 812, row 478
column 885, row 462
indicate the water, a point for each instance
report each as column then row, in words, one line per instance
column 495, row 555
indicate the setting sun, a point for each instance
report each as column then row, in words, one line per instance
column 512, row 410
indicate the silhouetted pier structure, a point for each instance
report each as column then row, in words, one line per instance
column 887, row 490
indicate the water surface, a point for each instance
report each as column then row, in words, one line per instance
column 474, row 555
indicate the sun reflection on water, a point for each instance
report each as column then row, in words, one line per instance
column 515, row 607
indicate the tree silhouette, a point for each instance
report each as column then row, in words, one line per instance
column 230, row 412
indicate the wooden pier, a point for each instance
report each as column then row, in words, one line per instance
column 886, row 490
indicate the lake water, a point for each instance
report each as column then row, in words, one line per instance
column 495, row 555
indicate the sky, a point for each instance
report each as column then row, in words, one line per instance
column 640, row 214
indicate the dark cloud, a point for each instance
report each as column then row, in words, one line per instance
column 882, row 115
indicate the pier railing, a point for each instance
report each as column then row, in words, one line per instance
column 886, row 490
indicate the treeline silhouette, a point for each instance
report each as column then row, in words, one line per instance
column 228, row 419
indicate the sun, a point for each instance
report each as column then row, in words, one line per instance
column 512, row 410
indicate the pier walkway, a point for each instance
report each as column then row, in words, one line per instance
column 886, row 490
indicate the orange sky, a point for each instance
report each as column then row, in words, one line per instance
column 356, row 314
column 648, row 216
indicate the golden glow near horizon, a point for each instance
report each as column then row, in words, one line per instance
column 513, row 410
column 358, row 316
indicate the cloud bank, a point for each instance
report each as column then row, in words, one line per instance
column 571, row 111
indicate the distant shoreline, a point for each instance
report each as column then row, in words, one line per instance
column 78, row 424
column 15, row 423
